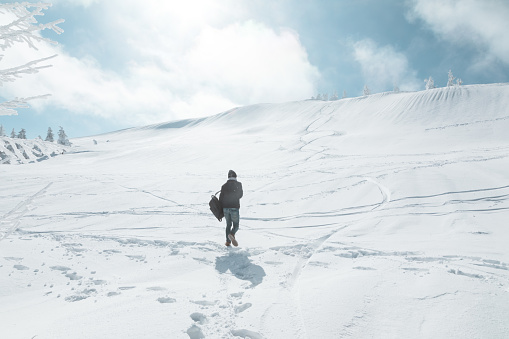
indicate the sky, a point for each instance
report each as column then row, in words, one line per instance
column 124, row 63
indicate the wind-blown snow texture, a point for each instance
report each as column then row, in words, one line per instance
column 375, row 217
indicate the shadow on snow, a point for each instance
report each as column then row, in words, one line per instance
column 241, row 267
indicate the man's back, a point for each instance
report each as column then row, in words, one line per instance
column 231, row 192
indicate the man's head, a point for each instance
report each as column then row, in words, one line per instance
column 232, row 174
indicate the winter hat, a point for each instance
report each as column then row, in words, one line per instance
column 232, row 174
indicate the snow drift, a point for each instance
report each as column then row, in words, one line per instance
column 22, row 151
column 381, row 216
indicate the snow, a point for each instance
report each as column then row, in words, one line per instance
column 22, row 151
column 375, row 217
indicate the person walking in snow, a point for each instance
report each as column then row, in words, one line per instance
column 231, row 192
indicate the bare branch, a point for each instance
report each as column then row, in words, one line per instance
column 24, row 29
column 11, row 74
column 9, row 107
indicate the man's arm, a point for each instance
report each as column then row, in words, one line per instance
column 241, row 192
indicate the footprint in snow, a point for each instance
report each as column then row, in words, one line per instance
column 166, row 300
column 242, row 308
column 156, row 288
column 247, row 334
column 125, row 288
column 199, row 318
column 205, row 302
column 194, row 332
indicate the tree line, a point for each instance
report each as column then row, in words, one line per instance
column 50, row 137
column 429, row 83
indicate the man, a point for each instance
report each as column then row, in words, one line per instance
column 231, row 192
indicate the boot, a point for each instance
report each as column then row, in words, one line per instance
column 232, row 238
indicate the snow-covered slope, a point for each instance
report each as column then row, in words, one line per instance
column 375, row 217
column 22, row 151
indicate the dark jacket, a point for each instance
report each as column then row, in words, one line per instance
column 231, row 192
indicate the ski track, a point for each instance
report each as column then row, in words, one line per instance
column 10, row 221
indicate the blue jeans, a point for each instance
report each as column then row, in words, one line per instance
column 232, row 217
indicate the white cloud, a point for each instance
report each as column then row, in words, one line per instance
column 480, row 23
column 252, row 63
column 383, row 67
column 186, row 59
column 84, row 3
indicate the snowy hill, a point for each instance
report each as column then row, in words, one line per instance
column 23, row 151
column 374, row 217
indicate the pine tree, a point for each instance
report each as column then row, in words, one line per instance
column 62, row 138
column 2, row 133
column 450, row 79
column 334, row 96
column 430, row 84
column 49, row 136
column 459, row 82
column 366, row 90
column 22, row 134
column 344, row 95
column 13, row 134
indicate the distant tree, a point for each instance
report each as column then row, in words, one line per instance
column 344, row 95
column 430, row 84
column 396, row 88
column 325, row 97
column 459, row 82
column 319, row 97
column 2, row 133
column 23, row 28
column 334, row 96
column 62, row 138
column 366, row 90
column 49, row 136
column 450, row 79
column 22, row 134
column 13, row 134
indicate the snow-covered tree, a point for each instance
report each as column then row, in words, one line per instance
column 334, row 96
column 366, row 90
column 325, row 97
column 319, row 97
column 23, row 28
column 13, row 134
column 430, row 84
column 396, row 88
column 344, row 95
column 49, row 136
column 22, row 134
column 2, row 132
column 62, row 138
column 459, row 82
column 450, row 79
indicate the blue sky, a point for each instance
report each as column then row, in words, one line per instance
column 128, row 63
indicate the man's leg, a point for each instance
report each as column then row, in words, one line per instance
column 235, row 218
column 228, row 218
